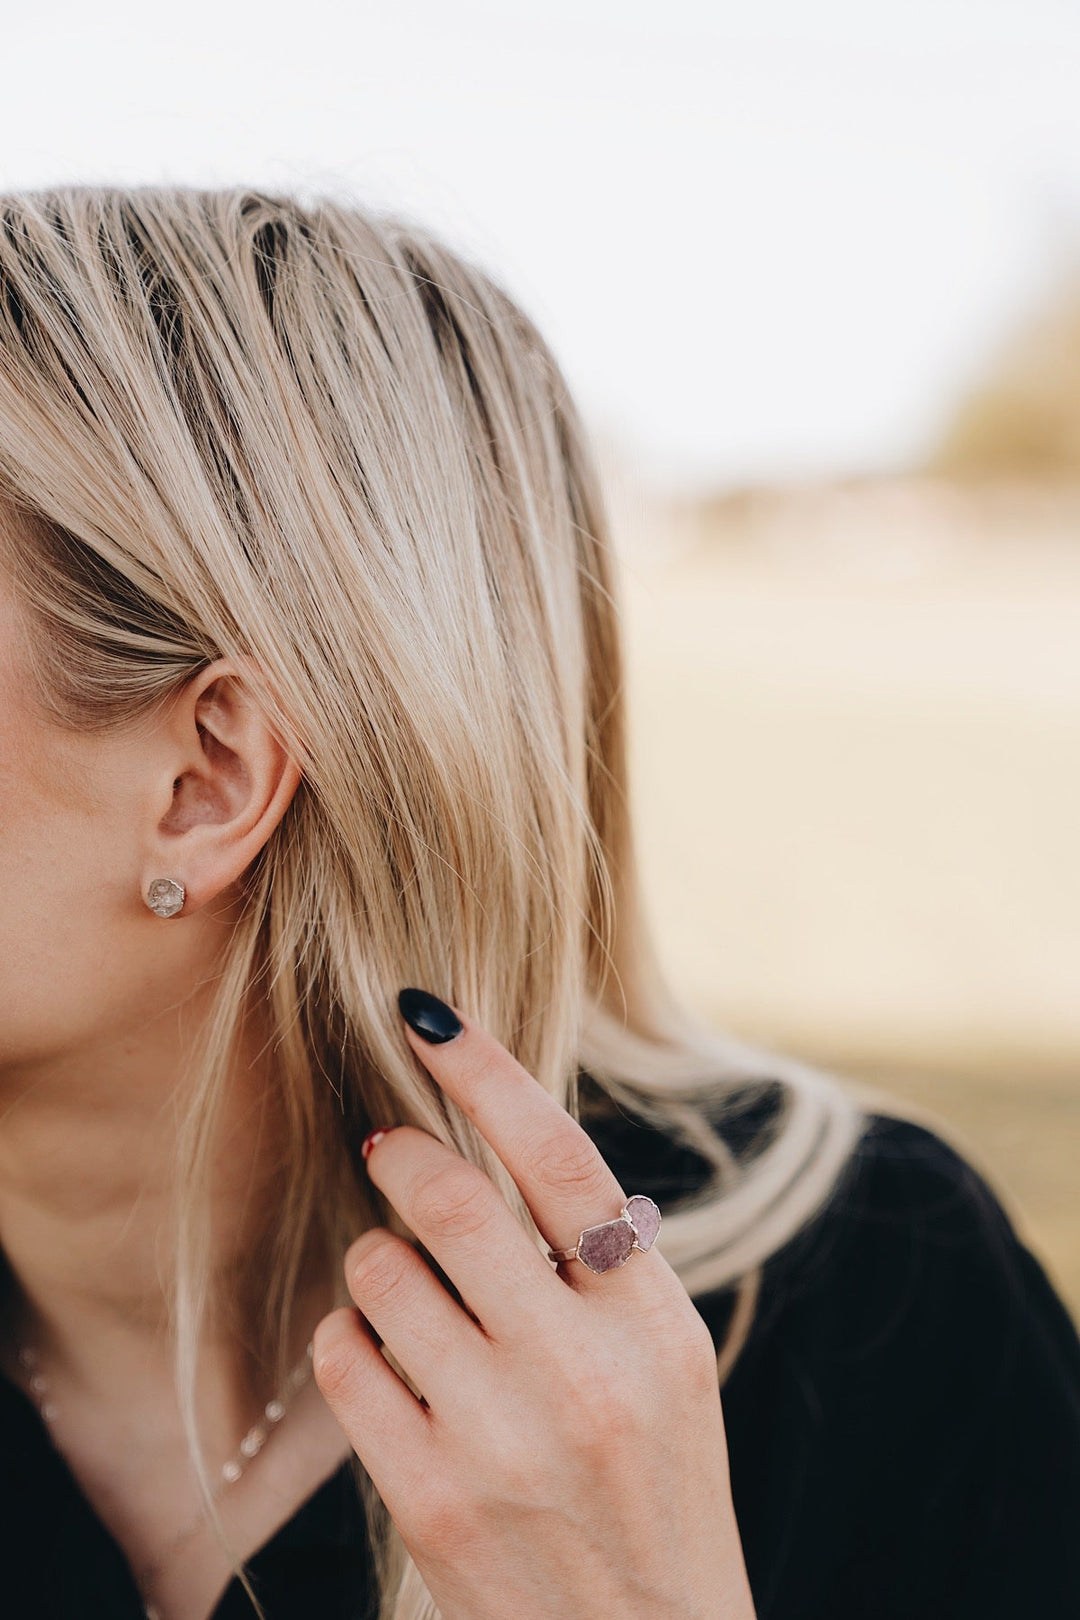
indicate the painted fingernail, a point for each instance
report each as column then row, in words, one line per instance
column 370, row 1140
column 431, row 1018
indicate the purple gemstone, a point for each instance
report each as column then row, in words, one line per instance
column 646, row 1218
column 602, row 1248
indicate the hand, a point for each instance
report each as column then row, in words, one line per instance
column 568, row 1460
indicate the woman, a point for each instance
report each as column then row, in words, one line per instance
column 341, row 1092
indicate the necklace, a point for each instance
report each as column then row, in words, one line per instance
column 249, row 1447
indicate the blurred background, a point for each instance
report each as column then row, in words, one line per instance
column 814, row 277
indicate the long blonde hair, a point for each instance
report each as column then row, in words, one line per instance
column 310, row 434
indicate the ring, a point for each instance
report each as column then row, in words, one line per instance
column 611, row 1244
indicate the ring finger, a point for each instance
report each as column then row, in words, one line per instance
column 566, row 1182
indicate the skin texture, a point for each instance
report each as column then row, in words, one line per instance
column 571, row 1459
column 99, row 1000
column 569, row 1456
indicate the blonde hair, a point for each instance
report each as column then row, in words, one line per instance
column 233, row 424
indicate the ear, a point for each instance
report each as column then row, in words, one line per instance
column 222, row 786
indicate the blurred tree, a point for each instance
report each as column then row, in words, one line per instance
column 1023, row 420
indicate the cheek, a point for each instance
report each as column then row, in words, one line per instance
column 64, row 886
column 51, row 948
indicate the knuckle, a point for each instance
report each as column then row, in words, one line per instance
column 681, row 1338
column 695, row 1351
column 569, row 1163
column 381, row 1272
column 452, row 1204
column 333, row 1366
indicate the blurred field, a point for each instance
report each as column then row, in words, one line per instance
column 856, row 759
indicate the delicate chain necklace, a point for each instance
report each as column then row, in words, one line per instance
column 249, row 1447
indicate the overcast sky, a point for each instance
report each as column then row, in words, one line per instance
column 766, row 239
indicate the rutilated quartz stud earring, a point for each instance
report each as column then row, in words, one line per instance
column 165, row 897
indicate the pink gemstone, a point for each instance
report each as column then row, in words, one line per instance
column 602, row 1248
column 646, row 1218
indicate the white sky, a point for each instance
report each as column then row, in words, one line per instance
column 769, row 238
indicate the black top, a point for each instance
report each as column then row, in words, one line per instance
column 903, row 1424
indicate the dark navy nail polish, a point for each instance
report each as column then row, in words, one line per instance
column 431, row 1018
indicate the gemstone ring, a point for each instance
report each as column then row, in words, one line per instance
column 611, row 1244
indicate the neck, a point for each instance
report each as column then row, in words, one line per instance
column 88, row 1209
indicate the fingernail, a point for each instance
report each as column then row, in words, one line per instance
column 431, row 1018
column 370, row 1140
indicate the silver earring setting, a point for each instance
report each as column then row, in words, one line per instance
column 165, row 897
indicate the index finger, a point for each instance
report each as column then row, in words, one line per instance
column 565, row 1180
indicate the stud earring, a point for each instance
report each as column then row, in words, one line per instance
column 166, row 897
